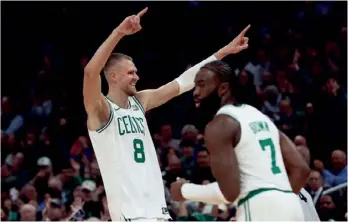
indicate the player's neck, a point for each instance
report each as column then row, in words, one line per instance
column 118, row 97
column 227, row 99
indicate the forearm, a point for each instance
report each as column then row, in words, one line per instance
column 101, row 56
column 186, row 80
column 210, row 193
column 298, row 180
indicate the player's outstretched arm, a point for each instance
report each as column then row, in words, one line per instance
column 296, row 167
column 94, row 101
column 155, row 97
column 180, row 190
column 221, row 135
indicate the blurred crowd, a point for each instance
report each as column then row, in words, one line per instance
column 295, row 74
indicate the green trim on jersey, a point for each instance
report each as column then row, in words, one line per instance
column 108, row 122
column 248, row 207
column 129, row 104
column 139, row 104
column 258, row 191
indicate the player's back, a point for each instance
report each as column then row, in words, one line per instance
column 266, row 192
column 258, row 151
column 128, row 163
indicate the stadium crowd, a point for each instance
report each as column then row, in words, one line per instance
column 295, row 72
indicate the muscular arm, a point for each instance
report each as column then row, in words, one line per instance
column 221, row 135
column 153, row 98
column 296, row 167
column 95, row 104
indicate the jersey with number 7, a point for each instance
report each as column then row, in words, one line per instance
column 127, row 158
column 258, row 151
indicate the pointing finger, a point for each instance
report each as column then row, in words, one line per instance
column 242, row 33
column 142, row 12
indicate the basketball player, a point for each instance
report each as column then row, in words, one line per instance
column 118, row 128
column 250, row 158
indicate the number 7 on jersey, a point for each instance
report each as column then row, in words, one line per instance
column 268, row 144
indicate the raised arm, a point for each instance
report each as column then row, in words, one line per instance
column 153, row 98
column 95, row 103
column 221, row 136
column 296, row 167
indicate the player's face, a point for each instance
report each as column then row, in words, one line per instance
column 205, row 86
column 127, row 77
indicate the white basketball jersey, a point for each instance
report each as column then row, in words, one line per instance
column 258, row 151
column 128, row 163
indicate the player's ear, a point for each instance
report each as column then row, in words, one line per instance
column 223, row 88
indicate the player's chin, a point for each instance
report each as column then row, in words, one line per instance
column 132, row 91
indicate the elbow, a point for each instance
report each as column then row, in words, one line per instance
column 88, row 70
column 231, row 194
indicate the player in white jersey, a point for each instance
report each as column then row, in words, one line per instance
column 118, row 128
column 250, row 158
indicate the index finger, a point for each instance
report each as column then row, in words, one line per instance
column 242, row 33
column 142, row 12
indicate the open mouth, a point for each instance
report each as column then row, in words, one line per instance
column 197, row 103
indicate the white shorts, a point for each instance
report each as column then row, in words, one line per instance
column 270, row 204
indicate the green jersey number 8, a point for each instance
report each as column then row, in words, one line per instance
column 139, row 154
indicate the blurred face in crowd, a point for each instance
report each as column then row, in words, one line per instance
column 8, row 204
column 187, row 151
column 243, row 78
column 315, row 181
column 300, row 140
column 190, row 135
column 87, row 195
column 30, row 192
column 18, row 161
column 285, row 107
column 203, row 158
column 3, row 216
column 11, row 140
column 30, row 138
column 67, row 175
column 78, row 192
column 28, row 213
column 267, row 78
column 331, row 86
column 124, row 75
column 338, row 160
column 166, row 132
column 326, row 203
column 261, row 56
column 174, row 164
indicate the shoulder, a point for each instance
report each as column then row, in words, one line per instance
column 223, row 127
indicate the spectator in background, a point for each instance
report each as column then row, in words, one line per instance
column 338, row 174
column 271, row 104
column 189, row 133
column 328, row 210
column 166, row 135
column 288, row 121
column 187, row 159
column 12, row 118
column 202, row 170
column 246, row 89
column 300, row 141
column 258, row 67
column 315, row 186
column 27, row 213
